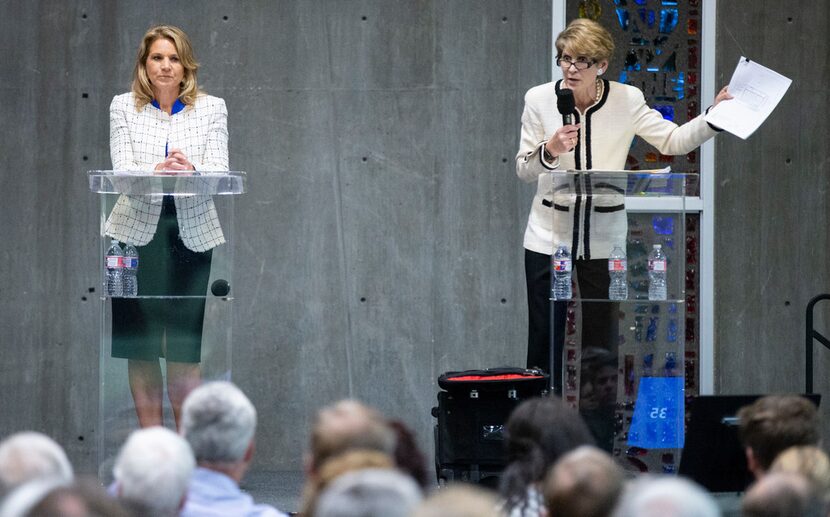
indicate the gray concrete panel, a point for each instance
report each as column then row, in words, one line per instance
column 771, row 244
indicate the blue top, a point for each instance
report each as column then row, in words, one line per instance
column 213, row 494
column 177, row 106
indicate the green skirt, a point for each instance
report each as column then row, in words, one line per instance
column 149, row 328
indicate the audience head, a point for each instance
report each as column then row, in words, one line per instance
column 811, row 462
column 153, row 469
column 774, row 423
column 585, row 482
column 460, row 500
column 651, row 496
column 346, row 425
column 219, row 423
column 782, row 494
column 538, row 433
column 369, row 493
column 335, row 467
column 28, row 456
column 56, row 498
column 408, row 456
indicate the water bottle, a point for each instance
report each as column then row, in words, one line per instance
column 617, row 270
column 114, row 260
column 130, row 270
column 657, row 274
column 562, row 273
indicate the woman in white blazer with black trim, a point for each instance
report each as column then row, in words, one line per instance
column 165, row 124
column 608, row 116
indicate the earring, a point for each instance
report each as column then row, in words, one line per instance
column 599, row 71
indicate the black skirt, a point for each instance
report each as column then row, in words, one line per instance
column 169, row 326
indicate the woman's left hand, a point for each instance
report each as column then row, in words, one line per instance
column 179, row 157
column 722, row 95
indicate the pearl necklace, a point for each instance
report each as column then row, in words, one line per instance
column 599, row 89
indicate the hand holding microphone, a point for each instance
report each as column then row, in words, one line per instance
column 565, row 138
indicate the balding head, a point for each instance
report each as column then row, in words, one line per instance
column 28, row 456
column 585, row 482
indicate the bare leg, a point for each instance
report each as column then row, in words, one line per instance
column 182, row 378
column 147, row 388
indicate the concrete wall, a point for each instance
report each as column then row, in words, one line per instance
column 771, row 241
column 380, row 242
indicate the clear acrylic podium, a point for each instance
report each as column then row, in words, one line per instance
column 621, row 363
column 165, row 300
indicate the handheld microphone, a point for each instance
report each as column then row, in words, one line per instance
column 566, row 105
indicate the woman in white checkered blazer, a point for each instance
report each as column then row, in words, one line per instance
column 165, row 124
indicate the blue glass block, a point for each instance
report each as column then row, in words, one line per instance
column 669, row 2
column 658, row 51
column 640, row 2
column 668, row 243
column 673, row 308
column 623, row 76
column 671, row 362
column 621, row 2
column 671, row 332
column 651, row 331
column 670, row 64
column 663, row 225
column 668, row 20
column 642, row 12
column 622, row 16
column 652, row 69
column 666, row 110
column 657, row 422
column 651, row 18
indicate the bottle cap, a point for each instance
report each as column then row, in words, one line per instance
column 658, row 246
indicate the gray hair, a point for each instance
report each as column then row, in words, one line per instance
column 219, row 422
column 153, row 470
column 26, row 496
column 653, row 496
column 369, row 493
column 29, row 455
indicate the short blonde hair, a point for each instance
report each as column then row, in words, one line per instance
column 587, row 38
column 189, row 88
column 809, row 461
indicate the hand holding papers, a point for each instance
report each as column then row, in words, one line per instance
column 756, row 91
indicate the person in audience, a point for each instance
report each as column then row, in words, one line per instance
column 538, row 433
column 369, row 493
column 408, row 456
column 460, row 500
column 782, row 494
column 774, row 423
column 219, row 423
column 335, row 467
column 346, row 425
column 152, row 471
column 54, row 497
column 29, row 455
column 809, row 461
column 665, row 496
column 585, row 482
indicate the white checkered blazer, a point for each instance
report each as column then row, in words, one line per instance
column 138, row 141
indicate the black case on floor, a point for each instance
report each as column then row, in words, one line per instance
column 469, row 435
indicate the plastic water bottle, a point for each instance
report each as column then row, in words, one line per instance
column 114, row 261
column 130, row 270
column 657, row 274
column 562, row 273
column 617, row 270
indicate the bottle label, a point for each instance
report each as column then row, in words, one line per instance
column 115, row 262
column 562, row 266
column 131, row 262
column 617, row 265
column 656, row 265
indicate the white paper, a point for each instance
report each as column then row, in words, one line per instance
column 756, row 90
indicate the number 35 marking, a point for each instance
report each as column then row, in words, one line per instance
column 658, row 412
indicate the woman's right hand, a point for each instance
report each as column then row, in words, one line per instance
column 175, row 161
column 563, row 140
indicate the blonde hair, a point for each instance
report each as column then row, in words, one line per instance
column 188, row 89
column 809, row 461
column 586, row 38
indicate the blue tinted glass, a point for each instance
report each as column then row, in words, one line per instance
column 658, row 414
column 665, row 110
column 663, row 225
column 622, row 16
column 668, row 20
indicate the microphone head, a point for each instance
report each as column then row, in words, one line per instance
column 220, row 288
column 565, row 101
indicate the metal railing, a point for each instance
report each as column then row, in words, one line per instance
column 813, row 334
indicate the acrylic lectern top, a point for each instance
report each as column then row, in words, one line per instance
column 631, row 183
column 149, row 183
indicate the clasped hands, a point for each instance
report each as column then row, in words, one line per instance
column 175, row 161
